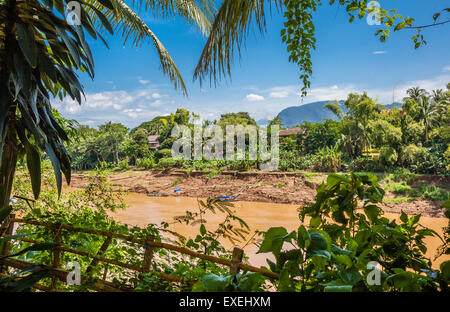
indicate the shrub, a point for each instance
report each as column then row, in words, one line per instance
column 167, row 163
column 328, row 159
column 401, row 174
column 145, row 163
column 164, row 153
column 388, row 155
column 342, row 245
column 124, row 164
column 366, row 164
column 430, row 193
column 413, row 155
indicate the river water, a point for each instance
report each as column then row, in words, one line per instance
column 260, row 216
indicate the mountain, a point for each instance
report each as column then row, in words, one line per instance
column 313, row 112
column 395, row 104
column 262, row 122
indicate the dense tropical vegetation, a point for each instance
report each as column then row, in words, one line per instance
column 366, row 137
column 40, row 57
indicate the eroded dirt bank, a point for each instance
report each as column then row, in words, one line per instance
column 282, row 187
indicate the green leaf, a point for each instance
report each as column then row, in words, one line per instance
column 202, row 230
column 34, row 168
column 4, row 212
column 104, row 20
column 334, row 179
column 35, row 247
column 445, row 270
column 339, row 251
column 372, row 212
column 250, row 282
column 213, row 282
column 319, row 241
column 341, row 288
column 404, row 217
column 344, row 259
column 28, row 281
column 70, row 44
column 11, row 237
column 107, row 3
column 272, row 241
column 303, row 238
column 56, row 166
column 315, row 222
column 27, row 43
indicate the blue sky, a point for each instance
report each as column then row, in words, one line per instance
column 129, row 86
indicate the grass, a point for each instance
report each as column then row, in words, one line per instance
column 398, row 187
column 177, row 181
column 433, row 193
column 397, row 200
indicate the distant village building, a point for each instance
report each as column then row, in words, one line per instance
column 290, row 132
column 153, row 142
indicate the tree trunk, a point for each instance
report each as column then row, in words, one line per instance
column 8, row 168
column 9, row 139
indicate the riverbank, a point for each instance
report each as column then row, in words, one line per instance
column 271, row 187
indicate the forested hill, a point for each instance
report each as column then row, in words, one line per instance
column 312, row 112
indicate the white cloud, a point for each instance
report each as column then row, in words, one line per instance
column 446, row 68
column 378, row 52
column 254, row 97
column 144, row 82
column 279, row 94
column 128, row 107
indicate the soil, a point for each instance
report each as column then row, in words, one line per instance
column 275, row 187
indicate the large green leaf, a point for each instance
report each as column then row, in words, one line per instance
column 15, row 236
column 28, row 281
column 27, row 43
column 4, row 212
column 214, row 283
column 35, row 247
column 274, row 239
column 34, row 168
column 56, row 166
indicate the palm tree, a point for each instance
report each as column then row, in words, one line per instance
column 428, row 112
column 438, row 95
column 415, row 93
column 40, row 55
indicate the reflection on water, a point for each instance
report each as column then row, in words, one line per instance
column 259, row 216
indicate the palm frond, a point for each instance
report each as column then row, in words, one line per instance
column 199, row 12
column 129, row 23
column 132, row 27
column 231, row 26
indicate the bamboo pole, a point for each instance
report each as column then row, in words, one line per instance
column 114, row 262
column 148, row 254
column 56, row 255
column 236, row 260
column 157, row 245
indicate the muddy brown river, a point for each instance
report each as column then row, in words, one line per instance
column 260, row 216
